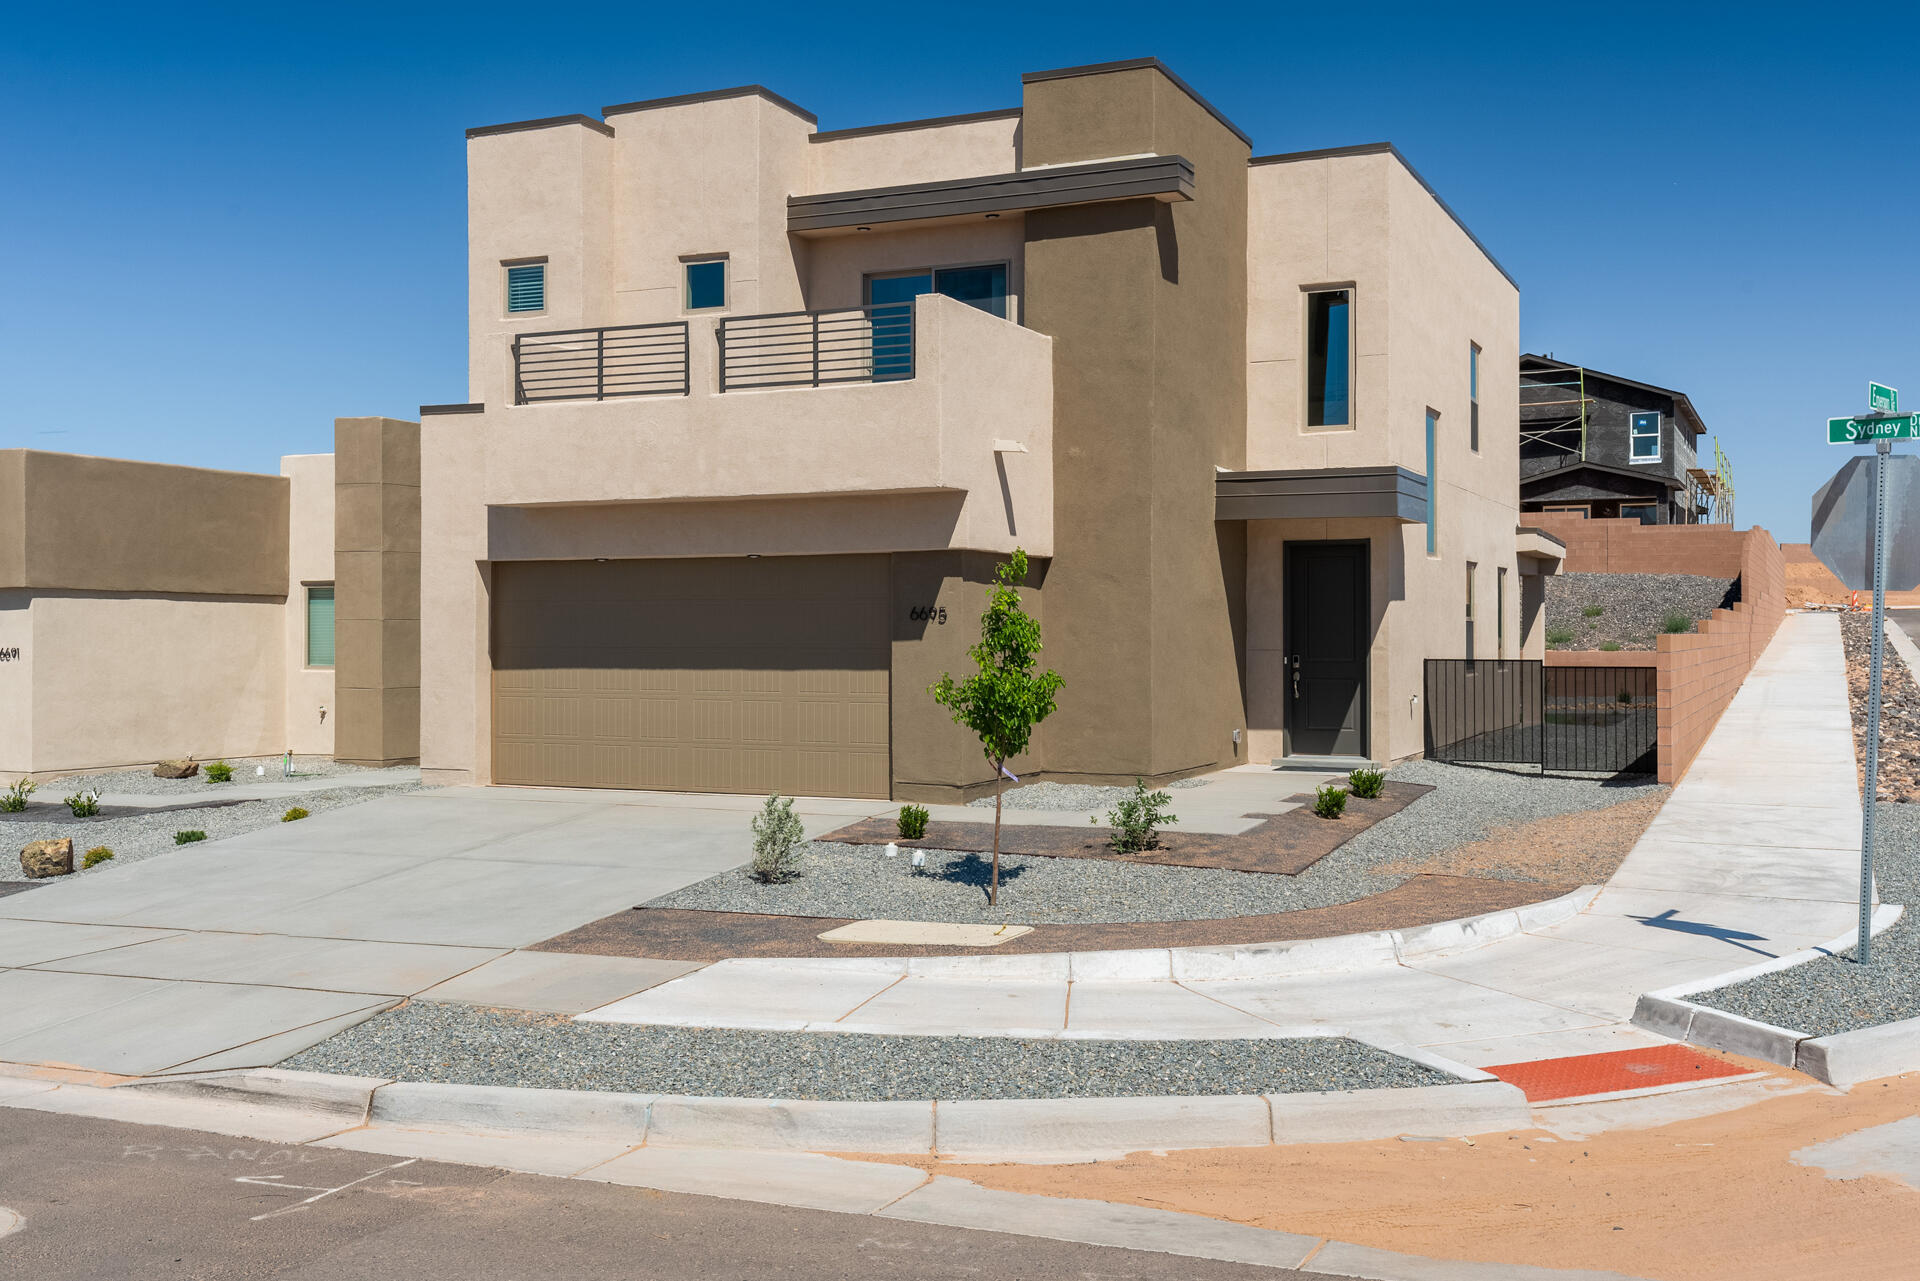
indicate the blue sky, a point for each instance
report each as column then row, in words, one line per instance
column 226, row 225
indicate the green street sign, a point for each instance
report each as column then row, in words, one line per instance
column 1882, row 399
column 1858, row 431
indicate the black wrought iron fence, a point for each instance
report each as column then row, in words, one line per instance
column 600, row 364
column 817, row 348
column 1601, row 720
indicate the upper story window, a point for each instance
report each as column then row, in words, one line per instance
column 1646, row 437
column 1473, row 397
column 706, row 283
column 526, row 287
column 983, row 286
column 1330, row 358
column 1433, row 482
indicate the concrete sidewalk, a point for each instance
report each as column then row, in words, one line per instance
column 1751, row 857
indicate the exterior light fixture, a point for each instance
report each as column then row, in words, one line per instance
column 991, row 217
column 863, row 228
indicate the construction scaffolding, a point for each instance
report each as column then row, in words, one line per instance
column 1713, row 490
column 1562, row 402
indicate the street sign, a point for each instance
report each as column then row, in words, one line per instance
column 1883, row 399
column 1859, row 431
column 1843, row 523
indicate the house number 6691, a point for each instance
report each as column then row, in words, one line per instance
column 928, row 614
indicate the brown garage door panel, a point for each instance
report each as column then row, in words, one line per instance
column 713, row 675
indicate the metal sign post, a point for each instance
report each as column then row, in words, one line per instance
column 1863, row 952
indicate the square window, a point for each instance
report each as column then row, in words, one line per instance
column 320, row 626
column 527, row 287
column 706, row 284
column 1646, row 437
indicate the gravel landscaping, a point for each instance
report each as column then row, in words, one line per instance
column 134, row 834
column 1633, row 608
column 1899, row 713
column 1072, row 796
column 1468, row 806
column 425, row 1041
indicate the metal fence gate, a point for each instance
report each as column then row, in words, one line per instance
column 1519, row 711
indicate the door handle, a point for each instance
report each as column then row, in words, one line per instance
column 1296, row 676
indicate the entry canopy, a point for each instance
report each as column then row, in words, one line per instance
column 1843, row 523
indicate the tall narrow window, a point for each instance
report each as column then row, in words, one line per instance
column 1329, row 358
column 1500, row 611
column 1471, row 567
column 527, row 287
column 1646, row 437
column 706, row 284
column 320, row 625
column 1433, row 483
column 1473, row 397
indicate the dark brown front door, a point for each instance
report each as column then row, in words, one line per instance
column 1327, row 644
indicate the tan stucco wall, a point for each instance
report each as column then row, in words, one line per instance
column 837, row 266
column 310, row 705
column 13, row 517
column 16, row 678
column 967, row 149
column 108, row 524
column 376, row 538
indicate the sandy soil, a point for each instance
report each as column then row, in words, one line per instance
column 1810, row 582
column 1696, row 1200
column 1582, row 848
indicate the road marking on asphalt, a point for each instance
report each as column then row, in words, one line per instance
column 10, row 1221
column 320, row 1194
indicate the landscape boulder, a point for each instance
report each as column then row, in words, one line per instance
column 47, row 858
column 176, row 769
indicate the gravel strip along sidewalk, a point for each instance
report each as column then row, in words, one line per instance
column 1072, row 796
column 1833, row 994
column 425, row 1041
column 860, row 882
column 141, row 782
column 1633, row 607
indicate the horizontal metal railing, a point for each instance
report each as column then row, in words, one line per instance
column 600, row 364
column 817, row 348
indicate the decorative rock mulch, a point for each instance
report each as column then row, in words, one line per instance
column 1899, row 712
column 1285, row 844
column 1633, row 607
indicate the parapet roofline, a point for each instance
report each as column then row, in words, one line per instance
column 1138, row 64
column 712, row 95
column 546, row 122
column 902, row 126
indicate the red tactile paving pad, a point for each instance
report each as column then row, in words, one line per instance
column 1617, row 1070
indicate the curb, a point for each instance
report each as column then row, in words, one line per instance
column 1845, row 1058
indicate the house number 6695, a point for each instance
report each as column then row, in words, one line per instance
column 928, row 614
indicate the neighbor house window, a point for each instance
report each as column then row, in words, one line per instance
column 1433, row 482
column 706, row 284
column 1572, row 509
column 1645, row 513
column 1473, row 397
column 320, row 626
column 527, row 287
column 1646, row 437
column 1500, row 611
column 1330, row 358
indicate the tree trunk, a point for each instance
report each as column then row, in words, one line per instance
column 993, row 886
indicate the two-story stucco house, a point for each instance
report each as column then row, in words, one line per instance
column 754, row 408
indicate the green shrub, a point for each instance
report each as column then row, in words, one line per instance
column 1609, row 646
column 1330, row 801
column 188, row 837
column 1559, row 635
column 777, row 833
column 96, row 856
column 1366, row 783
column 14, row 799
column 293, row 815
column 1593, row 611
column 1624, row 696
column 1136, row 821
column 219, row 772
column 84, row 804
column 913, row 822
column 1676, row 623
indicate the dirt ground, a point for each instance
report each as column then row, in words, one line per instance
column 1899, row 712
column 1706, row 1199
column 1811, row 583
column 1582, row 848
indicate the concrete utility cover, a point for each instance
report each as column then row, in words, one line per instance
column 925, row 934
column 1843, row 523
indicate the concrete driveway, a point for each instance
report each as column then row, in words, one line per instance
column 240, row 952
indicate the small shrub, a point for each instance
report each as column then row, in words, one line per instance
column 1676, row 623
column 84, row 804
column 1366, row 783
column 96, row 856
column 1593, row 611
column 913, row 822
column 293, row 815
column 14, row 799
column 1330, row 801
column 1609, row 646
column 1136, row 821
column 219, row 772
column 188, row 837
column 777, row 833
column 1624, row 696
column 1559, row 635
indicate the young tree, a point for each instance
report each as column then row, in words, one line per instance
column 1006, row 698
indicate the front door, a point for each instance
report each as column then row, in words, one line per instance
column 1327, row 643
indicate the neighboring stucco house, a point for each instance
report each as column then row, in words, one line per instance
column 1600, row 445
column 754, row 408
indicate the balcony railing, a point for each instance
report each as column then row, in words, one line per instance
column 598, row 364
column 817, row 348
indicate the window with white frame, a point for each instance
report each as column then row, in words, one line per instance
column 1646, row 437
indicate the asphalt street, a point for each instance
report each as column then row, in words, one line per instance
column 1908, row 621
column 103, row 1201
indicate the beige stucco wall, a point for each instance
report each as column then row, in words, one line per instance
column 16, row 680
column 310, row 702
column 837, row 266
column 966, row 149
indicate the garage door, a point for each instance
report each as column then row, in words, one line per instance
column 740, row 675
